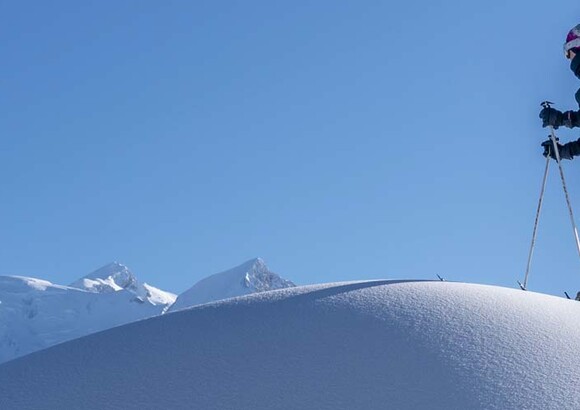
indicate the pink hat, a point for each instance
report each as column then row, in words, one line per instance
column 573, row 39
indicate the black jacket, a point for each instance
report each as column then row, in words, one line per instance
column 572, row 118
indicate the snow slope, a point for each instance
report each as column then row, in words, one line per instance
column 36, row 314
column 250, row 277
column 365, row 345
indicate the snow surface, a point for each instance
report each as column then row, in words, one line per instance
column 364, row 345
column 250, row 277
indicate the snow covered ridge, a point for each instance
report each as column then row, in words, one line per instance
column 365, row 345
column 36, row 314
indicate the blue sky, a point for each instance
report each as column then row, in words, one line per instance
column 336, row 140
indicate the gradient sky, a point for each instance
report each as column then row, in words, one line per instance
column 337, row 140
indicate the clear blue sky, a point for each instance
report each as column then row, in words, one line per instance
column 337, row 140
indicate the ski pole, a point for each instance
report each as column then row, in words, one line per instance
column 535, row 233
column 546, row 104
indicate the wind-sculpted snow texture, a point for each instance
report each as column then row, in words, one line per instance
column 365, row 345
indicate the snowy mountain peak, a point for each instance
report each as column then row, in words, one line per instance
column 258, row 278
column 110, row 278
column 116, row 277
column 252, row 276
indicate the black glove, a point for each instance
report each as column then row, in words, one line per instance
column 551, row 117
column 548, row 149
column 563, row 150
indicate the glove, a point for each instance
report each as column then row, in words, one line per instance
column 551, row 117
column 548, row 149
column 563, row 150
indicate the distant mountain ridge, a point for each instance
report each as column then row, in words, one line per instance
column 36, row 314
